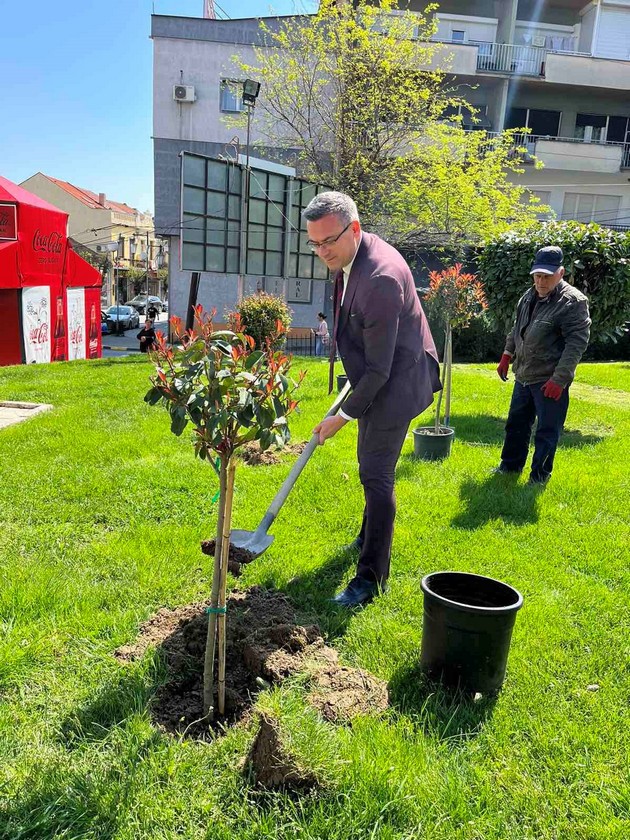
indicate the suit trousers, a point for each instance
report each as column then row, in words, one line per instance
column 378, row 451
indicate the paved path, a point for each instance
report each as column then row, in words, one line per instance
column 16, row 412
column 115, row 346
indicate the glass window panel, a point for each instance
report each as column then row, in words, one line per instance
column 569, row 205
column 305, row 267
column 231, row 95
column 215, row 232
column 192, row 257
column 304, row 248
column 295, row 217
column 517, row 118
column 606, row 208
column 256, row 237
column 194, row 200
column 257, row 210
column 256, row 262
column 216, row 204
column 319, row 270
column 194, row 171
column 215, row 259
column 274, row 240
column 544, row 122
column 234, row 207
column 232, row 261
column 591, row 119
column 309, row 191
column 193, row 228
column 275, row 216
column 293, row 241
column 292, row 269
column 274, row 264
column 216, row 175
column 233, row 236
column 234, row 180
column 277, row 186
column 258, row 184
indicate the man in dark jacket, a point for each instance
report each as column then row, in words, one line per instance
column 390, row 359
column 550, row 334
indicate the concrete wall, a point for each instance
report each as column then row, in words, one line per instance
column 589, row 72
column 587, row 29
column 587, row 157
column 477, row 29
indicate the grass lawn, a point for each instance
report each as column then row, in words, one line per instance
column 101, row 515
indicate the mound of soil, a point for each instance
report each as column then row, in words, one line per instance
column 265, row 644
column 270, row 763
column 252, row 454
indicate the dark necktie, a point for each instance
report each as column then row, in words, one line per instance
column 337, row 295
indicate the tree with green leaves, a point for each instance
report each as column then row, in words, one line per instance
column 232, row 394
column 361, row 92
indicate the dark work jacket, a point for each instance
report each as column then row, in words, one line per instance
column 551, row 343
column 384, row 339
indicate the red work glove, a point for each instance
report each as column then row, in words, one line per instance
column 552, row 390
column 504, row 366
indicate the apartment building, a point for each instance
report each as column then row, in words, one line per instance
column 557, row 67
column 109, row 229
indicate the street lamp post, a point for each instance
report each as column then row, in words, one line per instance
column 251, row 89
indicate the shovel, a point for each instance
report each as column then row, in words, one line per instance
column 259, row 540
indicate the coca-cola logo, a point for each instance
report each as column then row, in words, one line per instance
column 76, row 334
column 38, row 334
column 49, row 242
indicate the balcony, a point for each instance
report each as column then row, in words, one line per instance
column 510, row 59
column 576, row 154
column 580, row 69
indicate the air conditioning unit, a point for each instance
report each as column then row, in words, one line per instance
column 109, row 246
column 184, row 93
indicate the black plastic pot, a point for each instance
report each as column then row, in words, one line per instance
column 467, row 628
column 431, row 447
column 341, row 381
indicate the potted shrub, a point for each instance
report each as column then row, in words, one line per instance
column 232, row 393
column 453, row 300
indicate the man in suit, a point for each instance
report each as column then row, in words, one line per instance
column 389, row 357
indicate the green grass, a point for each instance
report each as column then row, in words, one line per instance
column 102, row 511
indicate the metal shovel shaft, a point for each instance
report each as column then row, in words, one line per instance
column 257, row 541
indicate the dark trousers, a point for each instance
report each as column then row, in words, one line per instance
column 529, row 404
column 378, row 451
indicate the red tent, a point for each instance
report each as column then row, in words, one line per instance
column 50, row 298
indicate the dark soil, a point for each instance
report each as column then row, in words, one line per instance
column 236, row 558
column 265, row 644
column 252, row 454
column 270, row 763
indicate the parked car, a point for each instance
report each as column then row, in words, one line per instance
column 139, row 303
column 124, row 316
column 104, row 323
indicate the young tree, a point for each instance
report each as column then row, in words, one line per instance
column 232, row 394
column 359, row 90
column 350, row 88
column 454, row 299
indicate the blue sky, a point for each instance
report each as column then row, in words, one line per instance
column 77, row 88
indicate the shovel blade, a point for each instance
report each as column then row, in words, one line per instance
column 253, row 541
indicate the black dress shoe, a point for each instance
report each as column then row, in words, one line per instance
column 358, row 592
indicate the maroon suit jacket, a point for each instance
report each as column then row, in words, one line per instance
column 384, row 339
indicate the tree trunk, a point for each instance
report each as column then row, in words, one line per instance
column 225, row 553
column 208, row 665
column 448, row 356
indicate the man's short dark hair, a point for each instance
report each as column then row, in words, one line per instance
column 331, row 204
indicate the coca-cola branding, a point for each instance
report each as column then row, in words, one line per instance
column 8, row 221
column 36, row 323
column 93, row 348
column 51, row 242
column 59, row 334
column 75, row 299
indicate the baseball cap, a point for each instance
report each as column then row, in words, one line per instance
column 547, row 260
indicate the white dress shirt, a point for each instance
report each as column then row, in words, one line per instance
column 346, row 275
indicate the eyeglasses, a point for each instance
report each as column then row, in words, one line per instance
column 315, row 246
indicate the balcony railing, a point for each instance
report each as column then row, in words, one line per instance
column 528, row 142
column 510, row 58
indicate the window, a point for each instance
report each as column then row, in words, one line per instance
column 231, row 96
column 458, row 36
column 591, row 127
column 588, row 207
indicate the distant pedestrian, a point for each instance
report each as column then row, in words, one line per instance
column 146, row 336
column 322, row 337
column 152, row 312
column 550, row 333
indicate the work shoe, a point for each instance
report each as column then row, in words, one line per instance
column 358, row 592
column 501, row 470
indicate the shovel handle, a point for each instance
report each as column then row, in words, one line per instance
column 296, row 469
